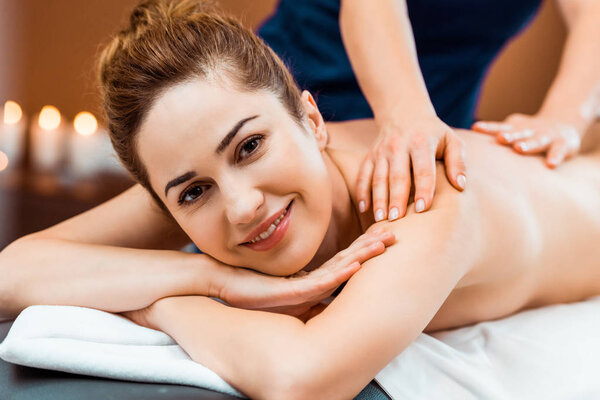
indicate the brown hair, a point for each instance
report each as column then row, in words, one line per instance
column 167, row 42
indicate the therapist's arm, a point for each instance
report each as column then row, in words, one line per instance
column 573, row 100
column 379, row 41
column 382, row 309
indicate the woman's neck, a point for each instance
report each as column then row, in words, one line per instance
column 344, row 225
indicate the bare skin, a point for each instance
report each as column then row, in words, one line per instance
column 521, row 236
column 530, row 235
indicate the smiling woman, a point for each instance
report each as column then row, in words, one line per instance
column 209, row 122
column 240, row 190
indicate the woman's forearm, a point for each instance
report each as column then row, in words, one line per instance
column 115, row 279
column 257, row 352
column 380, row 45
column 574, row 96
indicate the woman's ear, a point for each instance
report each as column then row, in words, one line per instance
column 314, row 119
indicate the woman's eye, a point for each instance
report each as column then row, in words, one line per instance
column 190, row 195
column 250, row 145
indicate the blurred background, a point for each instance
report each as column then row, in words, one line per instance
column 48, row 51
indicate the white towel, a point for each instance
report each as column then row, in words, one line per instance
column 547, row 353
column 550, row 353
column 92, row 342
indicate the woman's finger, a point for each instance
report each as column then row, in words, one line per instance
column 454, row 157
column 344, row 264
column 364, row 240
column 511, row 137
column 380, row 188
column 491, row 127
column 363, row 183
column 534, row 145
column 400, row 180
column 556, row 154
column 423, row 162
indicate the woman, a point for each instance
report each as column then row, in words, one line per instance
column 212, row 125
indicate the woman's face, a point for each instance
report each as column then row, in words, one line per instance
column 231, row 162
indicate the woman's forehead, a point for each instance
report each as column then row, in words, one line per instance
column 200, row 111
column 188, row 122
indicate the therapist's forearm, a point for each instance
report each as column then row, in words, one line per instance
column 115, row 279
column 574, row 96
column 381, row 49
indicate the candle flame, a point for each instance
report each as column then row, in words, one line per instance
column 85, row 123
column 3, row 161
column 12, row 112
column 49, row 118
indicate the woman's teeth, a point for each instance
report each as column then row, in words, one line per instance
column 271, row 229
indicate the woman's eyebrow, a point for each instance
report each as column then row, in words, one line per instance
column 220, row 149
column 229, row 137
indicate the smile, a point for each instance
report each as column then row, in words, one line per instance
column 274, row 234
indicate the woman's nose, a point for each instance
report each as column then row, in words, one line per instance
column 242, row 206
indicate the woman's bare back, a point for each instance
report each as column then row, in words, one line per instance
column 541, row 231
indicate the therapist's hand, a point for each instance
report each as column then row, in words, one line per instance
column 532, row 134
column 386, row 170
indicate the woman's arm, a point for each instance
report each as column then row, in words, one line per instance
column 379, row 42
column 112, row 257
column 381, row 310
column 120, row 256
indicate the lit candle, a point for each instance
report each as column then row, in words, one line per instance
column 47, row 139
column 3, row 161
column 83, row 144
column 12, row 133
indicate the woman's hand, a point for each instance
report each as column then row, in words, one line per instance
column 532, row 134
column 387, row 166
column 297, row 294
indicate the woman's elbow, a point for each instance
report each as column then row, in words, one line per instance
column 305, row 379
column 10, row 285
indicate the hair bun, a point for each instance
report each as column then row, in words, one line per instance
column 150, row 13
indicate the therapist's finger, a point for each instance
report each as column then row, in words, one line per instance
column 556, row 154
column 400, row 181
column 363, row 183
column 454, row 157
column 534, row 145
column 512, row 137
column 491, row 127
column 380, row 188
column 423, row 162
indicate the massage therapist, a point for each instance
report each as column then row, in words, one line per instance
column 419, row 82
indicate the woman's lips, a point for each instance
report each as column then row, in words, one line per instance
column 276, row 236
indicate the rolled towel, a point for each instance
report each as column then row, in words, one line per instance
column 92, row 342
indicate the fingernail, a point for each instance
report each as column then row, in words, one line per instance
column 553, row 161
column 361, row 206
column 393, row 214
column 524, row 146
column 461, row 180
column 506, row 136
column 379, row 215
column 420, row 206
